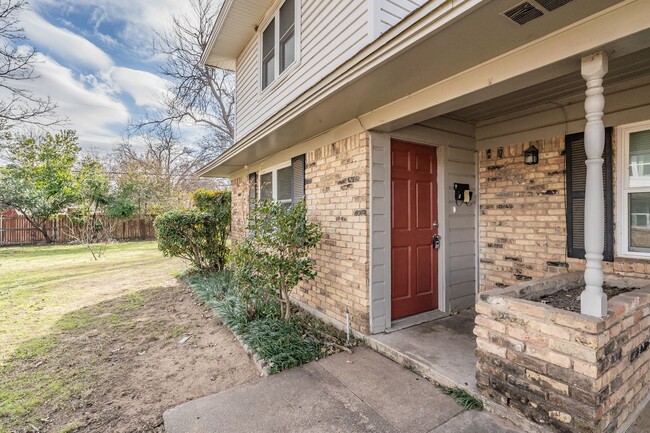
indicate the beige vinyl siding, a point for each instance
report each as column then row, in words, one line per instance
column 330, row 34
column 247, row 82
column 460, row 167
column 394, row 11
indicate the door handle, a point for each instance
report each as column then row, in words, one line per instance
column 436, row 242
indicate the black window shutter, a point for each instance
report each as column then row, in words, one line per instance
column 252, row 190
column 576, row 176
column 298, row 187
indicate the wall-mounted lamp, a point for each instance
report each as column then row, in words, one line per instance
column 531, row 155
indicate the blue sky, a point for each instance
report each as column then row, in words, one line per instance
column 96, row 61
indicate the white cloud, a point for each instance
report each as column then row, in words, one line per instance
column 63, row 43
column 98, row 17
column 142, row 18
column 92, row 111
column 147, row 89
column 84, row 81
column 107, row 39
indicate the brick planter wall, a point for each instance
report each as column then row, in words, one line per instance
column 562, row 370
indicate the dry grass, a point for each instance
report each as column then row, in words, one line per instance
column 93, row 346
column 39, row 285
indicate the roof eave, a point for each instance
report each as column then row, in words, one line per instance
column 206, row 58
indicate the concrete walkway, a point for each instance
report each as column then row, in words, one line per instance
column 642, row 423
column 441, row 350
column 362, row 392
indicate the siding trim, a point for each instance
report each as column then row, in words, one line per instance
column 380, row 269
column 443, row 228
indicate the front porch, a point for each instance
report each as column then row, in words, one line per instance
column 528, row 223
column 442, row 350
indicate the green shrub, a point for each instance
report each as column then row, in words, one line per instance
column 281, row 343
column 189, row 235
column 199, row 236
column 274, row 257
column 214, row 202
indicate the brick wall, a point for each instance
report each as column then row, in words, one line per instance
column 337, row 194
column 523, row 232
column 240, row 208
column 572, row 372
column 522, row 220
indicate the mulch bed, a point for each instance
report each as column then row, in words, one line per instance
column 569, row 299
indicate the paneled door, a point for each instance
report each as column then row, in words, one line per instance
column 414, row 224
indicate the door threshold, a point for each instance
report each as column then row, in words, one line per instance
column 418, row 319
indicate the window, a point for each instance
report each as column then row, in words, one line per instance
column 277, row 184
column 634, row 190
column 268, row 54
column 279, row 43
column 576, row 175
column 284, row 183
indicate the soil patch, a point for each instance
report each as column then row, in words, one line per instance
column 569, row 299
column 117, row 366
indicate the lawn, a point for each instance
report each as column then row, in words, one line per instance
column 94, row 346
column 39, row 285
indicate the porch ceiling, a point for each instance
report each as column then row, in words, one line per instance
column 565, row 90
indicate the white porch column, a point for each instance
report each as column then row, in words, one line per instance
column 593, row 301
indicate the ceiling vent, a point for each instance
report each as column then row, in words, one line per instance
column 523, row 13
column 551, row 5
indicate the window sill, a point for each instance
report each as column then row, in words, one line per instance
column 635, row 256
column 281, row 79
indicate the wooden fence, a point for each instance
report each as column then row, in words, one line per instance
column 16, row 230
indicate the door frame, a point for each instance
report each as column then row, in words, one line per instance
column 380, row 238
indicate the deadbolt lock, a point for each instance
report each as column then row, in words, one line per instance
column 436, row 242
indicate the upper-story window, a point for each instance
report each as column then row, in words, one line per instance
column 279, row 43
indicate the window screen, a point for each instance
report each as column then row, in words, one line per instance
column 285, row 178
column 576, row 176
column 268, row 54
column 266, row 186
column 287, row 34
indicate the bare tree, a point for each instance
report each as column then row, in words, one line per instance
column 199, row 95
column 162, row 166
column 17, row 104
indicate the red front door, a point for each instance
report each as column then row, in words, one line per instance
column 414, row 210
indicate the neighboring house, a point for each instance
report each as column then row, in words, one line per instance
column 443, row 147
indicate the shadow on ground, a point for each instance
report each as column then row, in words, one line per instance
column 116, row 366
